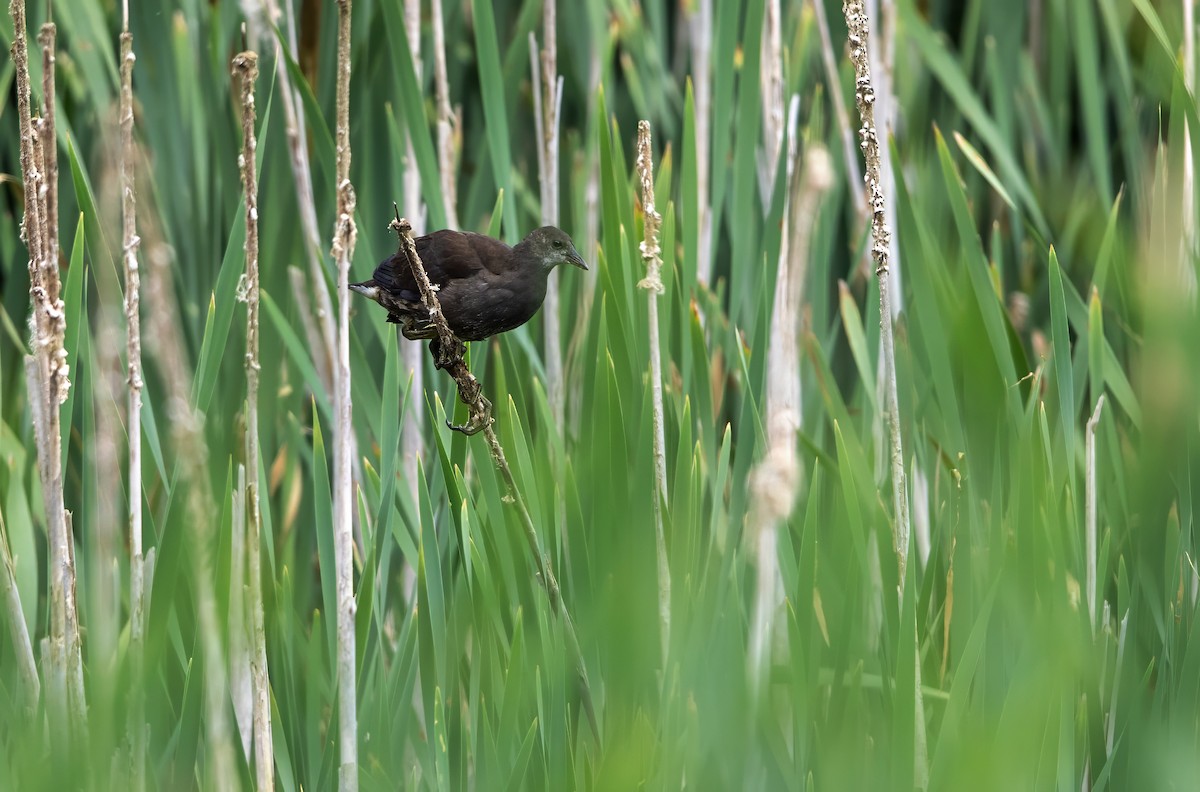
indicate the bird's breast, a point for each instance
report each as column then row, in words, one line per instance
column 480, row 309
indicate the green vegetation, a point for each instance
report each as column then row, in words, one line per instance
column 1045, row 222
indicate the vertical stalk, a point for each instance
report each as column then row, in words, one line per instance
column 547, row 98
column 412, row 425
column 133, row 423
column 775, row 481
column 344, row 235
column 701, row 41
column 47, row 372
column 245, row 67
column 447, row 124
column 864, row 95
column 771, row 81
column 652, row 283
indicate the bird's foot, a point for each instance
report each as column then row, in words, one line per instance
column 445, row 357
column 480, row 419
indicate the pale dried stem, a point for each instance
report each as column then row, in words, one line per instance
column 1090, row 509
column 701, row 39
column 775, row 480
column 771, row 84
column 412, row 427
column 133, row 351
column 344, row 237
column 1188, row 254
column 471, row 394
column 864, row 94
column 47, row 372
column 846, row 132
column 448, row 131
column 46, row 38
column 652, row 283
column 19, row 631
column 293, row 113
column 245, row 68
column 547, row 89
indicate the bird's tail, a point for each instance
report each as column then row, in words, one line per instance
column 368, row 289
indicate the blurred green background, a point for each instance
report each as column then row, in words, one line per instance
column 1045, row 223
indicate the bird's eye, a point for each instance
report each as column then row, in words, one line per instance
column 558, row 243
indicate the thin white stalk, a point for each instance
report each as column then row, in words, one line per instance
column 770, row 77
column 845, row 131
column 701, row 39
column 133, row 352
column 652, row 283
column 547, row 93
column 413, row 423
column 1188, row 258
column 864, row 93
column 775, row 480
column 1090, row 510
column 245, row 67
column 31, row 686
column 344, row 236
column 293, row 113
column 447, row 124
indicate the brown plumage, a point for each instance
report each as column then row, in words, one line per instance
column 484, row 286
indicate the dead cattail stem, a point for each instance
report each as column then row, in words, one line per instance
column 448, row 131
column 245, row 69
column 775, row 480
column 413, row 424
column 701, row 41
column 846, row 132
column 1188, row 254
column 47, row 371
column 771, row 81
column 450, row 353
column 864, row 95
column 652, row 283
column 344, row 236
column 547, row 98
column 133, row 423
column 46, row 38
column 293, row 113
column 164, row 342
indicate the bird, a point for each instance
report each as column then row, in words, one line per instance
column 484, row 286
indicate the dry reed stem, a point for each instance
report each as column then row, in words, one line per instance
column 293, row 113
column 776, row 479
column 701, row 46
column 413, row 424
column 133, row 353
column 864, row 95
column 771, row 85
column 450, row 359
column 47, row 372
column 547, row 98
column 344, row 237
column 652, row 283
column 448, row 131
column 245, row 68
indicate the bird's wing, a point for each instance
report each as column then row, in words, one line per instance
column 448, row 256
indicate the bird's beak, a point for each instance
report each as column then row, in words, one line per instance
column 367, row 289
column 576, row 260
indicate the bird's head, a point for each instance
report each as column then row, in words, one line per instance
column 551, row 246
